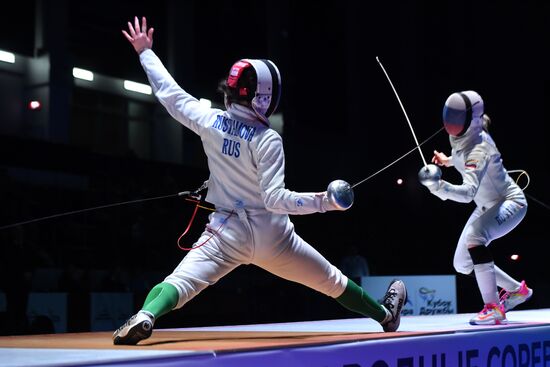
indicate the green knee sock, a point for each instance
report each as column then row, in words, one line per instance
column 357, row 300
column 161, row 299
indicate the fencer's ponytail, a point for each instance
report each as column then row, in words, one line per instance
column 486, row 122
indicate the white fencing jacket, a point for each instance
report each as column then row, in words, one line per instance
column 484, row 178
column 245, row 157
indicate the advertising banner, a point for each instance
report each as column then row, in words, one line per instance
column 427, row 294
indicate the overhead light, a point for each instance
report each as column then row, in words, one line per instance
column 83, row 74
column 34, row 105
column 137, row 87
column 205, row 102
column 7, row 57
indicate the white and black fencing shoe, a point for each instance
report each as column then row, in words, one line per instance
column 393, row 301
column 138, row 327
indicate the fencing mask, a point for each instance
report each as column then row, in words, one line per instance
column 461, row 110
column 262, row 90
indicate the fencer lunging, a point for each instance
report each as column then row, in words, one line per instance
column 251, row 223
column 500, row 203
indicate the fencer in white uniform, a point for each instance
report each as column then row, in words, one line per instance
column 500, row 203
column 251, row 223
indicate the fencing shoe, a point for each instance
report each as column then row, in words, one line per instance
column 138, row 327
column 510, row 300
column 394, row 299
column 492, row 314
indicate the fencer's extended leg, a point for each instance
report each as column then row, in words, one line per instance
column 388, row 314
column 357, row 300
column 160, row 300
column 197, row 270
column 300, row 262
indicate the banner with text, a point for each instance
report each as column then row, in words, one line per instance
column 427, row 294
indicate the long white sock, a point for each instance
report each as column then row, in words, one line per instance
column 486, row 282
column 505, row 281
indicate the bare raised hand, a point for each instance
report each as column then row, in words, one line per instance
column 441, row 159
column 139, row 37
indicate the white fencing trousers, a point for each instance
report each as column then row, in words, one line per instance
column 485, row 225
column 254, row 237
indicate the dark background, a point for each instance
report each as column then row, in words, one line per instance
column 341, row 121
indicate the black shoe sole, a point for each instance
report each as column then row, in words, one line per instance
column 394, row 325
column 141, row 331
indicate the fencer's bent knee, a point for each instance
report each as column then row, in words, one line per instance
column 466, row 269
column 462, row 262
column 463, row 268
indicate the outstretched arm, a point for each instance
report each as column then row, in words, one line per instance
column 139, row 37
column 271, row 176
column 180, row 105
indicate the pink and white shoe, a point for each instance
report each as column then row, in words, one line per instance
column 510, row 300
column 492, row 314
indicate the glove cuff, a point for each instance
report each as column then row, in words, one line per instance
column 327, row 204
